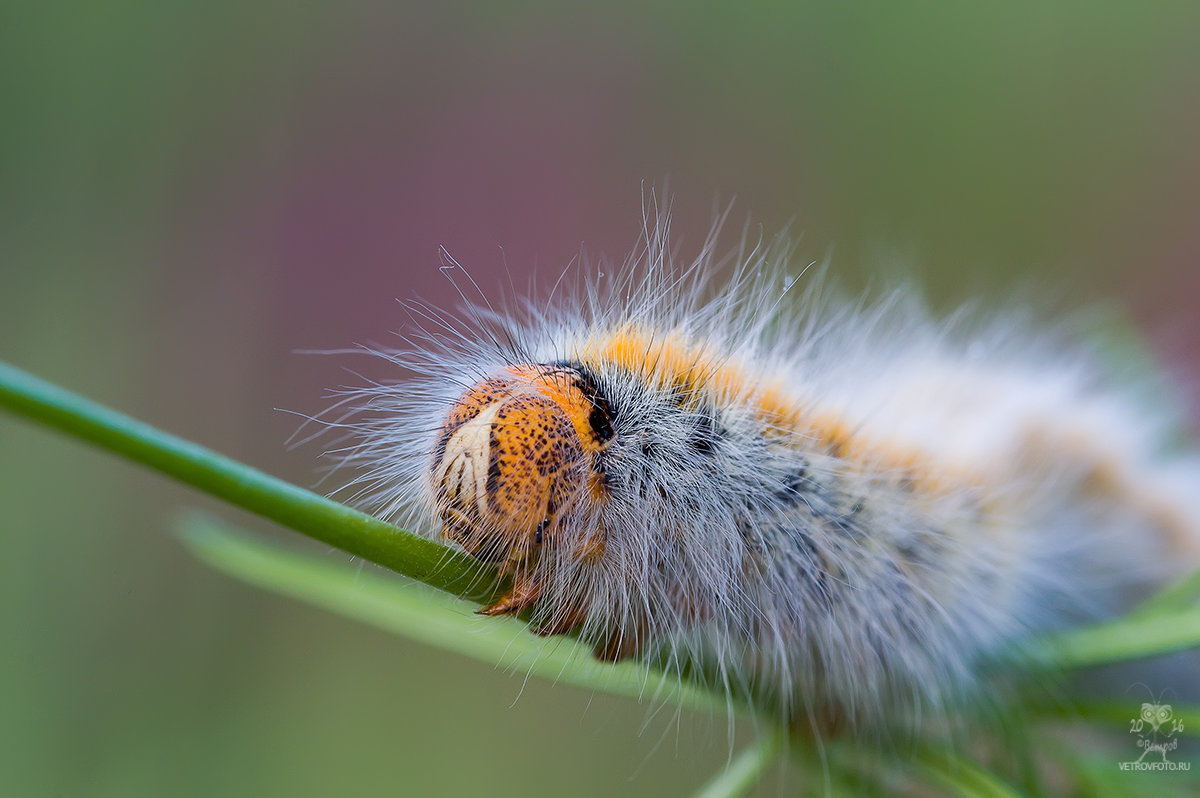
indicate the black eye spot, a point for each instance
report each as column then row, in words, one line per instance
column 600, row 419
column 601, row 426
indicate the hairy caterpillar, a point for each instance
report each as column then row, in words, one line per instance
column 842, row 510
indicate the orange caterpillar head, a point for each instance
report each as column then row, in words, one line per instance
column 516, row 454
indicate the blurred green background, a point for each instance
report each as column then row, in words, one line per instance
column 191, row 192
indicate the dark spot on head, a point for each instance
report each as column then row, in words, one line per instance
column 601, row 425
column 601, row 418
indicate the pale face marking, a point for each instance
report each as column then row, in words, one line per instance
column 464, row 465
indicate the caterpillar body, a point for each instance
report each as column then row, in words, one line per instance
column 844, row 511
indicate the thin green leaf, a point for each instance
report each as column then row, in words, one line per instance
column 431, row 617
column 746, row 770
column 1126, row 638
column 305, row 512
column 1180, row 595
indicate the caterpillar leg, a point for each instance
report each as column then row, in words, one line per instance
column 522, row 595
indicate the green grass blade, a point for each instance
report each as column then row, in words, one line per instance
column 1132, row 637
column 305, row 512
column 746, row 770
column 1177, row 596
column 431, row 617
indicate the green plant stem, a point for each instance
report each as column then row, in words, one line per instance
column 303, row 511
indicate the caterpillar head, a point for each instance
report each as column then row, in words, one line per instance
column 516, row 453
